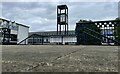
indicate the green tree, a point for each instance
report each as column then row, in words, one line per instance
column 117, row 18
column 82, row 21
column 117, row 30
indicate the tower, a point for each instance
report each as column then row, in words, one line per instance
column 62, row 19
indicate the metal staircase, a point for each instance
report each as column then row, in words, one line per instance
column 99, row 36
column 26, row 40
column 90, row 33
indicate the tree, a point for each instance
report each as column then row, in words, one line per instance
column 82, row 21
column 117, row 30
column 117, row 18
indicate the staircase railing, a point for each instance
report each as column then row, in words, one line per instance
column 100, row 35
column 26, row 39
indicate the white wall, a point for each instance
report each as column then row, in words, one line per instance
column 13, row 32
column 46, row 39
column 69, row 39
column 55, row 39
column 22, row 33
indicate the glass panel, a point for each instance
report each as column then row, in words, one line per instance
column 62, row 18
column 58, row 11
column 62, row 11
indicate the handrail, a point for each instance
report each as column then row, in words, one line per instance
column 101, row 35
column 95, row 37
column 92, row 35
column 27, row 38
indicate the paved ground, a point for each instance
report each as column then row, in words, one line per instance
column 58, row 58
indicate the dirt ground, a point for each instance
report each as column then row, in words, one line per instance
column 59, row 58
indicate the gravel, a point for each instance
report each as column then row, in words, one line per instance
column 59, row 58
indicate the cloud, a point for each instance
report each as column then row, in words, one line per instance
column 41, row 16
column 59, row 0
column 0, row 9
column 92, row 11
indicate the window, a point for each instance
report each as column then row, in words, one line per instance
column 62, row 11
column 62, row 18
column 47, row 40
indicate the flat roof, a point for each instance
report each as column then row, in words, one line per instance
column 62, row 6
column 99, row 21
column 70, row 32
column 15, row 22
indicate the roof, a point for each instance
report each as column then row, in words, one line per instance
column 15, row 22
column 98, row 21
column 53, row 33
column 62, row 6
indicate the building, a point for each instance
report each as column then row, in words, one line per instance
column 108, row 32
column 62, row 19
column 12, row 32
column 51, row 37
column 61, row 36
column 86, row 33
column 97, row 32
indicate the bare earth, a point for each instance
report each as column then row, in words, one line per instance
column 58, row 58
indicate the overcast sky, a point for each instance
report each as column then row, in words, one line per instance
column 41, row 16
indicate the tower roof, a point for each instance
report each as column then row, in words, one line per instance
column 62, row 6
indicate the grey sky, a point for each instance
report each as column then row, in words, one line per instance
column 41, row 16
